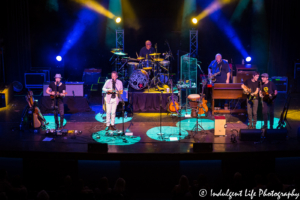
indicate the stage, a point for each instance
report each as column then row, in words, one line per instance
column 145, row 143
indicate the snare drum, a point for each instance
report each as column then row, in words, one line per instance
column 147, row 63
column 139, row 79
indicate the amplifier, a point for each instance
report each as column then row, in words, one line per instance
column 281, row 83
column 72, row 89
column 34, row 80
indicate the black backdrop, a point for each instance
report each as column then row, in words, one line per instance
column 33, row 35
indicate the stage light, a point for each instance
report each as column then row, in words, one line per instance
column 248, row 59
column 58, row 58
column 195, row 21
column 118, row 20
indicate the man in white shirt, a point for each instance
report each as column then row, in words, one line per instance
column 113, row 88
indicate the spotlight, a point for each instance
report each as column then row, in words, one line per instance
column 248, row 59
column 58, row 58
column 195, row 21
column 118, row 19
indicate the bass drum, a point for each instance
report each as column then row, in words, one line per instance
column 139, row 79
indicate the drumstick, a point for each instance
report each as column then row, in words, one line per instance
column 137, row 54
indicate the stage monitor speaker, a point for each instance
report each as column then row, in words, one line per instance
column 250, row 134
column 202, row 147
column 297, row 75
column 298, row 134
column 72, row 88
column 97, row 148
column 276, row 134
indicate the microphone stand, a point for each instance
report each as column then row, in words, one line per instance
column 123, row 107
column 160, row 133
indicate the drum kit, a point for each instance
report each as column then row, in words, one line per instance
column 142, row 72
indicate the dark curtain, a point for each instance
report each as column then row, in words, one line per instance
column 284, row 45
column 16, row 39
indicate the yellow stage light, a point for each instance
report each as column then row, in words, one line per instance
column 95, row 6
column 195, row 21
column 118, row 20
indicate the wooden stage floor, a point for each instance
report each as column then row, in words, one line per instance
column 17, row 143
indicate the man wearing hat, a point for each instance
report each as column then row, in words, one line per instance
column 268, row 93
column 112, row 87
column 58, row 88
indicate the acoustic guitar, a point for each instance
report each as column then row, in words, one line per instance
column 203, row 108
column 247, row 90
column 57, row 95
column 38, row 118
column 267, row 97
column 173, row 105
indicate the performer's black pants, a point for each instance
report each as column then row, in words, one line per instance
column 268, row 108
column 58, row 108
column 252, row 106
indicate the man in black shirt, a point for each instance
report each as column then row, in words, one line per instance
column 57, row 90
column 221, row 66
column 146, row 50
column 252, row 100
column 268, row 93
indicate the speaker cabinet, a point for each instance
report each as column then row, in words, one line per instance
column 97, row 148
column 250, row 134
column 276, row 134
column 202, row 147
column 72, row 88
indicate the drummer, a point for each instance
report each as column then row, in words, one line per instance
column 148, row 49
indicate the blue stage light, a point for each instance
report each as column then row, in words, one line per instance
column 58, row 58
column 248, row 59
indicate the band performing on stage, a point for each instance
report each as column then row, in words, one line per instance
column 149, row 72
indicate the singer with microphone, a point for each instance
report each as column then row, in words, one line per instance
column 113, row 88
column 146, row 50
column 57, row 91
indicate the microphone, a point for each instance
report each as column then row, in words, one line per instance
column 73, row 93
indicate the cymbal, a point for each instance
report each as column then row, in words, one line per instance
column 116, row 49
column 147, row 68
column 154, row 54
column 120, row 53
column 158, row 59
column 140, row 58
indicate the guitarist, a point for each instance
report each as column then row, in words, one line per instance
column 268, row 93
column 113, row 87
column 58, row 90
column 252, row 100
